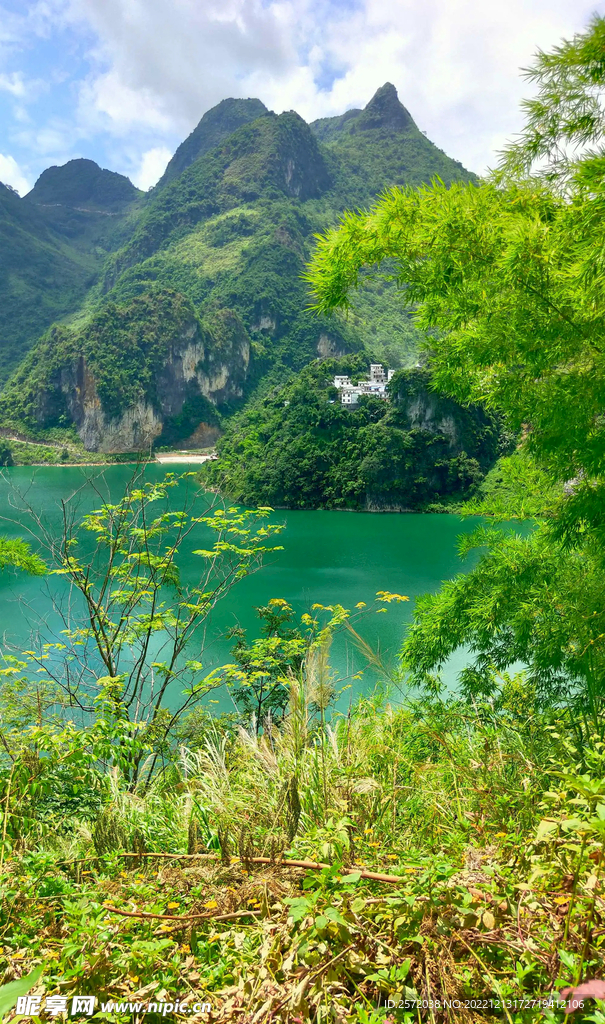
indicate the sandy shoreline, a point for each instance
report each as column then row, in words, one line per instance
column 179, row 458
column 163, row 458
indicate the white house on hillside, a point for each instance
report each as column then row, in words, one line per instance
column 376, row 385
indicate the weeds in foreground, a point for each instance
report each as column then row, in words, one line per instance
column 491, row 824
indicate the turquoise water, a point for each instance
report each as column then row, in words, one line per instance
column 327, row 557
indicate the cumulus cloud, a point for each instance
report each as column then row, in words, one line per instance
column 146, row 70
column 152, row 166
column 162, row 63
column 169, row 60
column 13, row 84
column 11, row 174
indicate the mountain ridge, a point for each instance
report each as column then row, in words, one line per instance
column 215, row 125
column 228, row 228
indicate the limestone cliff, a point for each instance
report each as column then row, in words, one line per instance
column 150, row 370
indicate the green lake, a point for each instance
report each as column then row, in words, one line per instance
column 327, row 557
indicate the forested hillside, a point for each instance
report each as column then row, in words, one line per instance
column 52, row 246
column 41, row 277
column 300, row 447
column 227, row 231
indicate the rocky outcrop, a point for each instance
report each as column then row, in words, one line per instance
column 426, row 412
column 329, row 347
column 418, row 407
column 202, row 368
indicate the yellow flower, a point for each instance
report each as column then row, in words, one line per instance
column 172, row 906
column 211, row 904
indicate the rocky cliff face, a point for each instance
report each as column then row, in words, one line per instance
column 419, row 408
column 192, row 369
column 150, row 369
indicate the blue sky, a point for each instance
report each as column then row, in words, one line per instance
column 124, row 81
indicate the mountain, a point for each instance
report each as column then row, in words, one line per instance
column 83, row 185
column 86, row 204
column 202, row 283
column 53, row 243
column 41, row 277
column 216, row 125
column 381, row 145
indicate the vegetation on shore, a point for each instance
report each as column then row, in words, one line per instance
column 299, row 447
column 422, row 854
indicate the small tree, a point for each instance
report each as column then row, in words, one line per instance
column 129, row 633
column 260, row 675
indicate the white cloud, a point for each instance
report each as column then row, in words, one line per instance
column 162, row 63
column 155, row 66
column 152, row 166
column 13, row 84
column 11, row 174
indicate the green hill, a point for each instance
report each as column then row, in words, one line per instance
column 41, row 277
column 229, row 229
column 299, row 447
column 53, row 243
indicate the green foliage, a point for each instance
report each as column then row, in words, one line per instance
column 483, row 817
column 515, row 488
column 18, row 554
column 264, row 671
column 526, row 601
column 508, row 273
column 125, row 348
column 259, row 677
column 41, row 278
column 10, row 993
column 125, row 649
column 299, row 447
column 53, row 243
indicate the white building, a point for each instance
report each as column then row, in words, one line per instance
column 349, row 396
column 376, row 385
column 377, row 374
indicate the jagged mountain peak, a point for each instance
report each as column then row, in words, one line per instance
column 384, row 113
column 385, row 110
column 215, row 126
column 81, row 183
